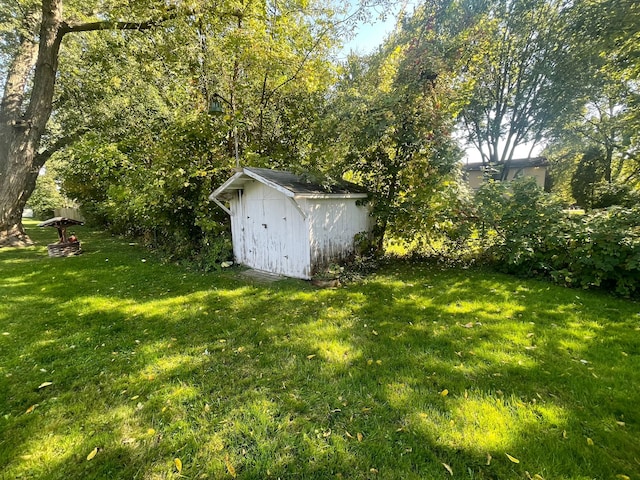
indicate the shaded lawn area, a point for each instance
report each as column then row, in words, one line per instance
column 414, row 373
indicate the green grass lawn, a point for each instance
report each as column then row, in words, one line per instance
column 114, row 365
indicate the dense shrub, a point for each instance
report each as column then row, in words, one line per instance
column 157, row 188
column 607, row 194
column 605, row 250
column 521, row 229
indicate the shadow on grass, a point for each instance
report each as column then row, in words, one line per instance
column 392, row 378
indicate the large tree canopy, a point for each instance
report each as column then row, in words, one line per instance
column 252, row 53
column 516, row 75
column 596, row 149
column 31, row 51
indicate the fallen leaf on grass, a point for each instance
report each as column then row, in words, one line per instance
column 535, row 477
column 348, row 434
column 31, row 408
column 309, row 357
column 622, row 424
column 589, row 442
column 178, row 463
column 360, row 436
column 488, row 459
column 444, row 392
column 467, row 325
column 513, row 459
column 449, row 469
column 623, row 477
column 45, row 384
column 93, row 453
column 230, row 468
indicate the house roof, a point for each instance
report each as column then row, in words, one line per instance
column 289, row 184
column 515, row 163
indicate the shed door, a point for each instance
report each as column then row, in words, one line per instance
column 273, row 237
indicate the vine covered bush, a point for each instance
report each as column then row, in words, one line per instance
column 158, row 192
column 520, row 229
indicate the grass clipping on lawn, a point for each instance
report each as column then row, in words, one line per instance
column 115, row 365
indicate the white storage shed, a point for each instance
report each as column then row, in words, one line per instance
column 283, row 223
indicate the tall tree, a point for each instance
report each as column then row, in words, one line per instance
column 394, row 123
column 28, row 95
column 255, row 56
column 601, row 137
column 515, row 73
column 153, row 153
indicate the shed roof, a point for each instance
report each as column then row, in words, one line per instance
column 515, row 163
column 289, row 184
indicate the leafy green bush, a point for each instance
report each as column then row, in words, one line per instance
column 520, row 227
column 157, row 188
column 605, row 250
column 522, row 230
column 607, row 194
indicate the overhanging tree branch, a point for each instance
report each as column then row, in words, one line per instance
column 170, row 14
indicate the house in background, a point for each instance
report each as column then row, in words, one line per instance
column 476, row 173
column 285, row 224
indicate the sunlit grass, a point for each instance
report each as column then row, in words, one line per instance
column 407, row 374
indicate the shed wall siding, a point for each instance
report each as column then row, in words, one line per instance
column 333, row 225
column 269, row 233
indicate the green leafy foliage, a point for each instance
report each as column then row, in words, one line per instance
column 158, row 191
column 588, row 173
column 605, row 250
column 394, row 121
column 153, row 154
column 46, row 197
column 521, row 229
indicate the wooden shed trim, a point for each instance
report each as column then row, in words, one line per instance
column 226, row 186
column 329, row 196
column 269, row 183
column 238, row 180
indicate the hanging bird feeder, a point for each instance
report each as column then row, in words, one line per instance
column 215, row 106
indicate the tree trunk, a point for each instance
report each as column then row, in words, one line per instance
column 20, row 133
column 21, row 128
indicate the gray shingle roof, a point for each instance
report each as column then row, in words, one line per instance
column 304, row 185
